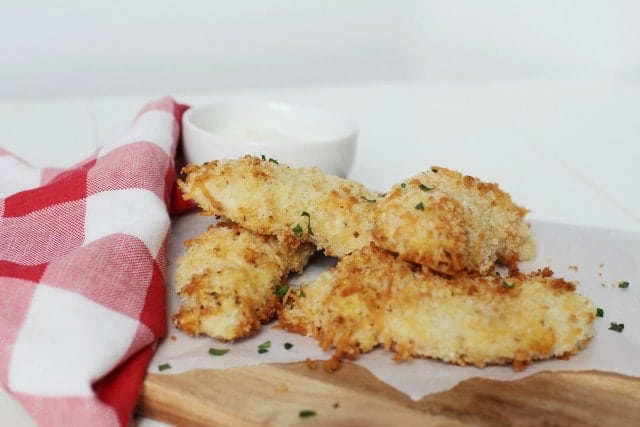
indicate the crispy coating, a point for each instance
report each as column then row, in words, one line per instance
column 371, row 298
column 227, row 278
column 451, row 223
column 294, row 204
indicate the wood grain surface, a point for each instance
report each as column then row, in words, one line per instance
column 352, row 396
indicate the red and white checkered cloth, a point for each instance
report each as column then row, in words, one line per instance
column 82, row 262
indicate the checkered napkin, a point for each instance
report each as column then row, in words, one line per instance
column 82, row 262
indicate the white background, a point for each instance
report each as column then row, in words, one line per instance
column 83, row 48
column 542, row 96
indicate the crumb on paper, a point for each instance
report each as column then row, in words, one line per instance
column 311, row 364
column 573, row 267
column 281, row 388
column 173, row 338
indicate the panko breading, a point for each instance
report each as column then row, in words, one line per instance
column 450, row 223
column 371, row 298
column 227, row 278
column 294, row 204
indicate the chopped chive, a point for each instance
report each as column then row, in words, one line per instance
column 164, row 367
column 425, row 188
column 297, row 230
column 273, row 160
column 264, row 347
column 599, row 312
column 368, row 200
column 281, row 290
column 308, row 222
column 302, row 294
column 508, row 285
column 218, row 351
column 618, row 327
column 288, row 346
column 420, row 206
column 624, row 284
column 403, row 185
column 263, row 157
column 306, row 413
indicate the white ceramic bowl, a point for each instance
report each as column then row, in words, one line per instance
column 293, row 134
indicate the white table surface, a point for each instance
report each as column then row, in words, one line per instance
column 568, row 150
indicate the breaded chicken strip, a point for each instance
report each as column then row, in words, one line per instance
column 227, row 278
column 450, row 223
column 294, row 204
column 371, row 298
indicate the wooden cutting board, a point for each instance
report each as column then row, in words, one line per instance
column 352, row 396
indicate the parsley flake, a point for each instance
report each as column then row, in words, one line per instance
column 218, row 351
column 624, row 284
column 599, row 312
column 164, row 367
column 403, row 185
column 281, row 290
column 273, row 160
column 420, row 206
column 618, row 327
column 288, row 346
column 306, row 413
column 302, row 294
column 425, row 188
column 297, row 230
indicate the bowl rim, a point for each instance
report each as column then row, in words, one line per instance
column 348, row 127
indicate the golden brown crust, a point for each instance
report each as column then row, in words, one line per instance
column 227, row 278
column 371, row 298
column 451, row 223
column 294, row 204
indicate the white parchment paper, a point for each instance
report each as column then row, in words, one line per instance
column 597, row 259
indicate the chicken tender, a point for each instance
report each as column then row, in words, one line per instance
column 226, row 281
column 451, row 223
column 372, row 298
column 294, row 204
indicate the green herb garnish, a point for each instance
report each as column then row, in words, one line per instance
column 624, row 284
column 618, row 327
column 599, row 312
column 508, row 285
column 263, row 157
column 306, row 413
column 308, row 222
column 218, row 351
column 288, row 346
column 302, row 294
column 419, row 206
column 425, row 188
column 164, row 367
column 264, row 347
column 368, row 200
column 273, row 160
column 403, row 185
column 297, row 230
column 281, row 290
